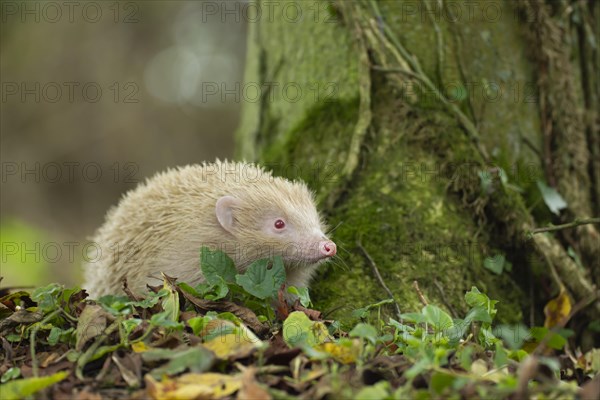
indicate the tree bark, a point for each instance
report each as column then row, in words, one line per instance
column 424, row 128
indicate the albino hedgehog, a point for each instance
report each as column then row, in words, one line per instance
column 239, row 208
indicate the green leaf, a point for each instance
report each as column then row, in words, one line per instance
column 466, row 358
column 302, row 294
column 56, row 334
column 421, row 365
column 130, row 324
column 555, row 340
column 299, row 330
column 413, row 317
column 47, row 297
column 360, row 313
column 478, row 313
column 11, row 373
column 164, row 320
column 216, row 265
column 170, row 303
column 364, row 331
column 552, row 198
column 437, row 317
column 116, row 305
column 21, row 388
column 495, row 263
column 151, row 299
column 594, row 326
column 476, row 298
column 260, row 281
column 513, row 335
column 500, row 356
column 217, row 291
column 458, row 330
column 486, row 180
column 487, row 338
column 401, row 327
column 198, row 323
column 440, row 381
column 380, row 390
column 196, row 359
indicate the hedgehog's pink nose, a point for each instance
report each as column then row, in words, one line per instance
column 328, row 248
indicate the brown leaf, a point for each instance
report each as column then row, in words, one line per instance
column 312, row 314
column 92, row 323
column 19, row 317
column 130, row 367
column 282, row 306
column 250, row 389
column 279, row 352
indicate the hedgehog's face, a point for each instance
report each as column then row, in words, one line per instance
column 288, row 225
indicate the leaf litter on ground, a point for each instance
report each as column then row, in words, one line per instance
column 234, row 336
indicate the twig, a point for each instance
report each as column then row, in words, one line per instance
column 444, row 299
column 573, row 224
column 378, row 275
column 419, row 293
column 439, row 41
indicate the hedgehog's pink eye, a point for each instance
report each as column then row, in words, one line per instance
column 279, row 224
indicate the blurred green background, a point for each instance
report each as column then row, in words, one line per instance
column 97, row 96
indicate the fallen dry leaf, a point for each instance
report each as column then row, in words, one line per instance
column 194, row 386
column 251, row 390
column 557, row 310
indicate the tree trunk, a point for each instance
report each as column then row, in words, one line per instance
column 425, row 128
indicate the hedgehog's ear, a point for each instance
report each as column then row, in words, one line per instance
column 224, row 211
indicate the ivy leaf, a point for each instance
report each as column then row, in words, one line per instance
column 495, row 263
column 476, row 298
column 364, row 331
column 440, row 381
column 500, row 356
column 116, row 305
column 56, row 334
column 164, row 319
column 437, row 317
column 196, row 359
column 11, row 373
column 216, row 265
column 552, row 198
column 47, row 297
column 555, row 341
column 302, row 294
column 513, row 335
column 413, row 317
column 299, row 330
column 478, row 313
column 260, row 281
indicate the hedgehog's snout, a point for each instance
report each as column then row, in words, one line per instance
column 327, row 248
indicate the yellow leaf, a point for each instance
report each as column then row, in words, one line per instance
column 479, row 367
column 346, row 353
column 194, row 386
column 231, row 345
column 557, row 310
column 139, row 347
